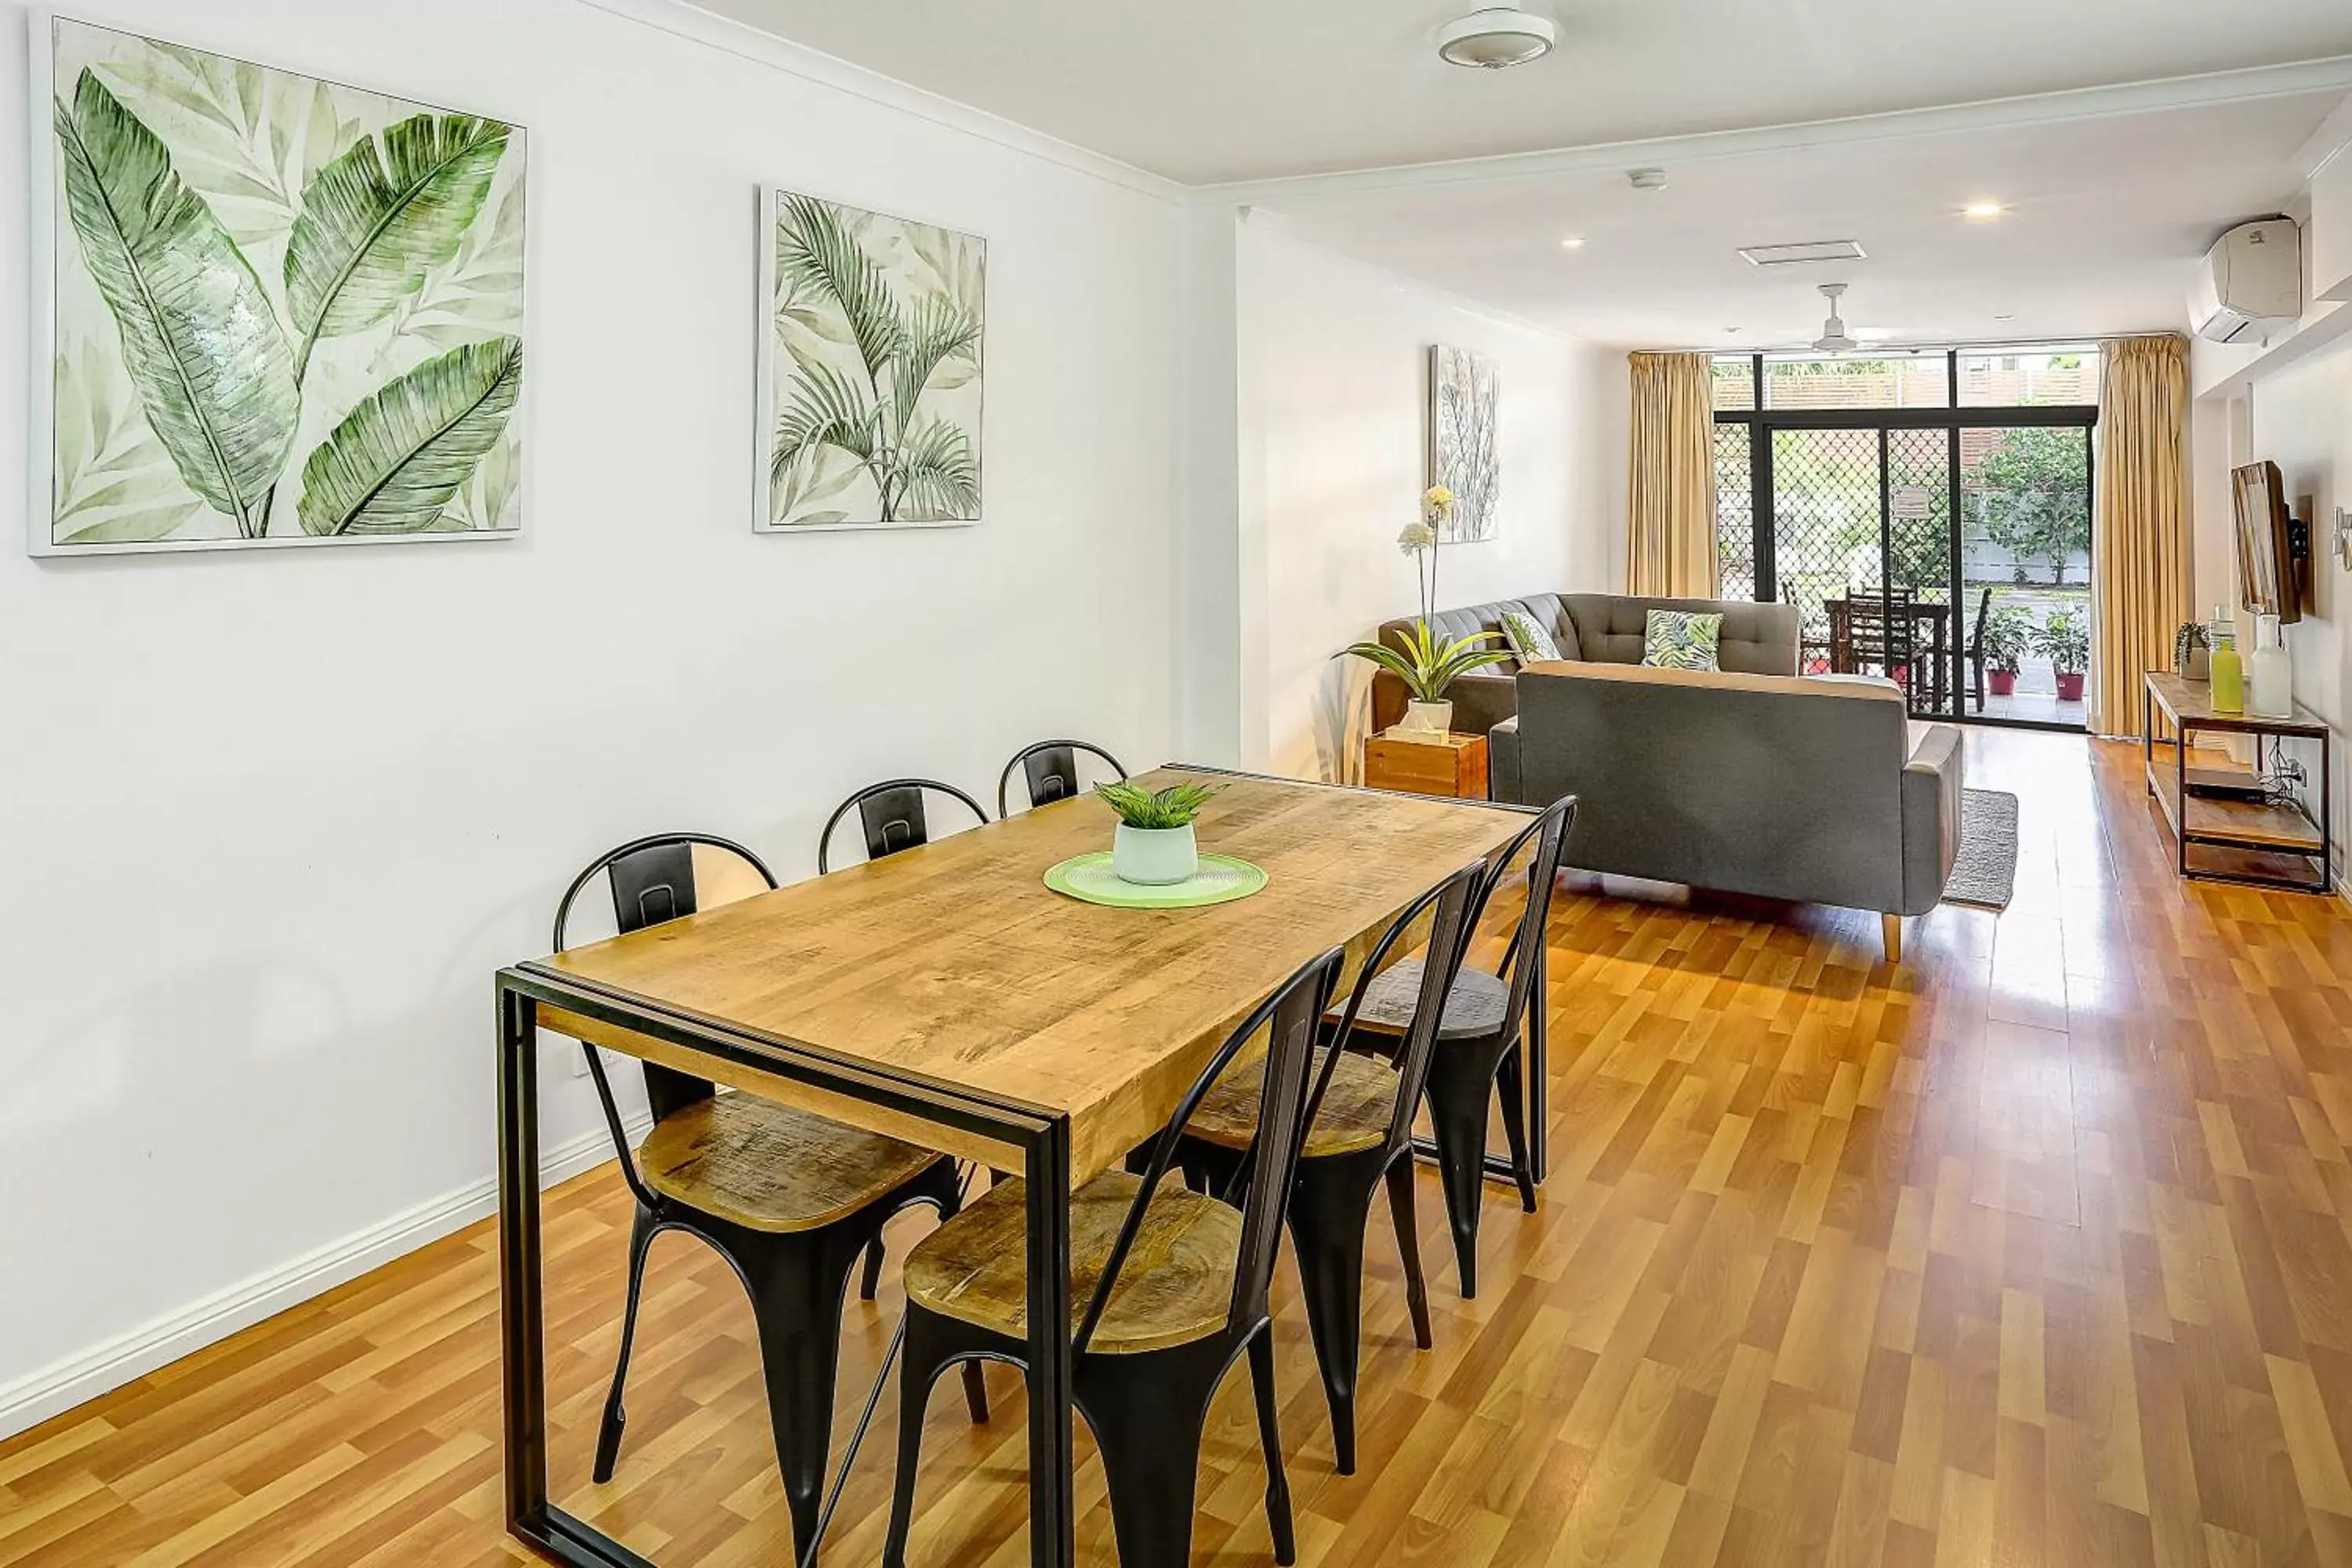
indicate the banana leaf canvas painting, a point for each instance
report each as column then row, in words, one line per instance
column 869, row 369
column 279, row 310
column 1465, row 451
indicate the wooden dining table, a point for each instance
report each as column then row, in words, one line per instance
column 944, row 995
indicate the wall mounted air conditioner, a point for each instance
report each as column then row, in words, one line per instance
column 2250, row 284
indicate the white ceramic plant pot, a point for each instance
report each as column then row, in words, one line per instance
column 1433, row 717
column 1154, row 856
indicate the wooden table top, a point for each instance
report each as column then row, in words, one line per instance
column 952, row 963
column 2191, row 702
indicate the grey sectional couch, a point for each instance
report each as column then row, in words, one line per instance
column 1759, row 639
column 1748, row 780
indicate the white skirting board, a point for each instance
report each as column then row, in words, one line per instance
column 61, row 1385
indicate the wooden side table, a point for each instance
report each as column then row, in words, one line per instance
column 2243, row 835
column 1455, row 767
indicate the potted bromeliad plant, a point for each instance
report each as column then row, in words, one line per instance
column 1427, row 665
column 2067, row 643
column 2007, row 636
column 1155, row 844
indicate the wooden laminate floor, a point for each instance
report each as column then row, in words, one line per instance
column 2032, row 1252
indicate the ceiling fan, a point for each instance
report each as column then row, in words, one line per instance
column 1833, row 339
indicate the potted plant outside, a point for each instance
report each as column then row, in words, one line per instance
column 1155, row 845
column 2007, row 636
column 1426, row 666
column 2067, row 644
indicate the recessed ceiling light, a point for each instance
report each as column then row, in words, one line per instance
column 2004, row 318
column 1573, row 242
column 1497, row 37
column 1982, row 212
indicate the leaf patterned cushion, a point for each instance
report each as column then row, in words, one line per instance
column 1678, row 639
column 1530, row 644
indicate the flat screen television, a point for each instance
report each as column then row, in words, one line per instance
column 2266, row 562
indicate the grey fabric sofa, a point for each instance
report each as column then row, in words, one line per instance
column 1811, row 789
column 1757, row 639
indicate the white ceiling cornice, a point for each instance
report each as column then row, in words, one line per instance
column 2331, row 141
column 682, row 18
column 2330, row 75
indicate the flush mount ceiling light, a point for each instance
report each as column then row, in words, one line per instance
column 1495, row 37
column 1982, row 212
column 1573, row 242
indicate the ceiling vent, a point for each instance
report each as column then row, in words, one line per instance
column 1801, row 252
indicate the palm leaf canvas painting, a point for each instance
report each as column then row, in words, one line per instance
column 279, row 310
column 870, row 369
column 1465, row 452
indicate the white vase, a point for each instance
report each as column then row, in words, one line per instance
column 1430, row 717
column 2270, row 685
column 1154, row 856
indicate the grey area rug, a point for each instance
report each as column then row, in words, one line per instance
column 1985, row 874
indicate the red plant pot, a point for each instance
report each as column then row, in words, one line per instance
column 2070, row 686
column 2002, row 681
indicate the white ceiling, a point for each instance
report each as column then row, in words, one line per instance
column 1229, row 90
column 2106, row 219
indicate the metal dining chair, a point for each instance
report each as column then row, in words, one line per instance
column 788, row 1199
column 1052, row 768
column 1479, row 1035
column 1180, row 1294
column 1361, row 1141
column 893, row 816
column 1974, row 652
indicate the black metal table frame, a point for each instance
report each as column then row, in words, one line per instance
column 2278, row 731
column 1042, row 1138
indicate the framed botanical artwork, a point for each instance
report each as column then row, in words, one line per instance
column 1465, row 449
column 870, row 369
column 275, row 310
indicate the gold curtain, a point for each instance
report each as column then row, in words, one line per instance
column 2139, row 537
column 1670, row 480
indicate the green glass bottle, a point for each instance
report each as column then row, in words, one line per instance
column 2229, row 671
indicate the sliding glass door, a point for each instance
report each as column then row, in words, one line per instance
column 1923, row 534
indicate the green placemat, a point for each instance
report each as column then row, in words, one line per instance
column 1221, row 879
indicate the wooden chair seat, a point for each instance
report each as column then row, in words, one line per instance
column 1354, row 1115
column 770, row 1168
column 1477, row 1005
column 1176, row 1286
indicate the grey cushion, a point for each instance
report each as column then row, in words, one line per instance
column 1757, row 639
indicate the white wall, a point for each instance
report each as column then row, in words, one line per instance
column 1334, row 370
column 271, row 820
column 2300, row 419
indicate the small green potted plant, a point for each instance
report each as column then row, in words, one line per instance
column 2067, row 643
column 1155, row 846
column 1428, row 667
column 2007, row 636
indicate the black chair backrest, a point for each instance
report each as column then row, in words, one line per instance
column 892, row 813
column 1975, row 638
column 1547, row 834
column 652, row 881
column 1290, row 1015
column 1052, row 770
column 1449, row 942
